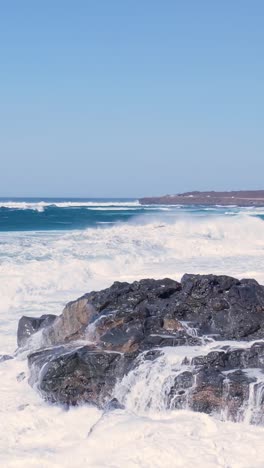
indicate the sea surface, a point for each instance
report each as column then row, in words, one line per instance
column 54, row 250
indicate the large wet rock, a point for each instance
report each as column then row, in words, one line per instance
column 122, row 316
column 218, row 305
column 81, row 375
column 95, row 341
column 221, row 382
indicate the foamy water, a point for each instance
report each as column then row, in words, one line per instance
column 41, row 271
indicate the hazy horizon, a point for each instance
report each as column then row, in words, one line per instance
column 74, row 197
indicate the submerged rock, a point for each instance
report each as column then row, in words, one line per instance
column 97, row 340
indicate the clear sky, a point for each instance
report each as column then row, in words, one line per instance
column 130, row 98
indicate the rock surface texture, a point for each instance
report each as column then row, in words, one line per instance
column 204, row 336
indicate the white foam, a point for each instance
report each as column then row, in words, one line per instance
column 164, row 440
column 34, row 434
column 39, row 272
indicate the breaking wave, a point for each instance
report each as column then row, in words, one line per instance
column 41, row 271
column 41, row 205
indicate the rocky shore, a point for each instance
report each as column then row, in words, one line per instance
column 202, row 336
column 244, row 198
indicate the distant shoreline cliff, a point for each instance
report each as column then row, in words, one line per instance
column 240, row 198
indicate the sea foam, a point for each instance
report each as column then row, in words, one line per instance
column 41, row 271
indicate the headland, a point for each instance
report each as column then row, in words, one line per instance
column 239, row 198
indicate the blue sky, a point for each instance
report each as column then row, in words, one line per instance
column 130, row 98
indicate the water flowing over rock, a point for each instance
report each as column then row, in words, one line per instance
column 28, row 326
column 160, row 344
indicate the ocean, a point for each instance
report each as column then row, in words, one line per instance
column 53, row 251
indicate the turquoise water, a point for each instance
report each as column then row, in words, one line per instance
column 44, row 214
column 34, row 214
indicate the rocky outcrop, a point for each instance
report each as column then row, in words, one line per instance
column 102, row 337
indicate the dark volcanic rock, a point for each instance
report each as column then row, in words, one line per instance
column 206, row 389
column 219, row 382
column 232, row 358
column 96, row 340
column 218, row 305
column 223, row 306
column 74, row 376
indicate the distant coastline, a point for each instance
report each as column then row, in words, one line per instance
column 245, row 198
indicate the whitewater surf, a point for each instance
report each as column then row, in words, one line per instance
column 44, row 267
